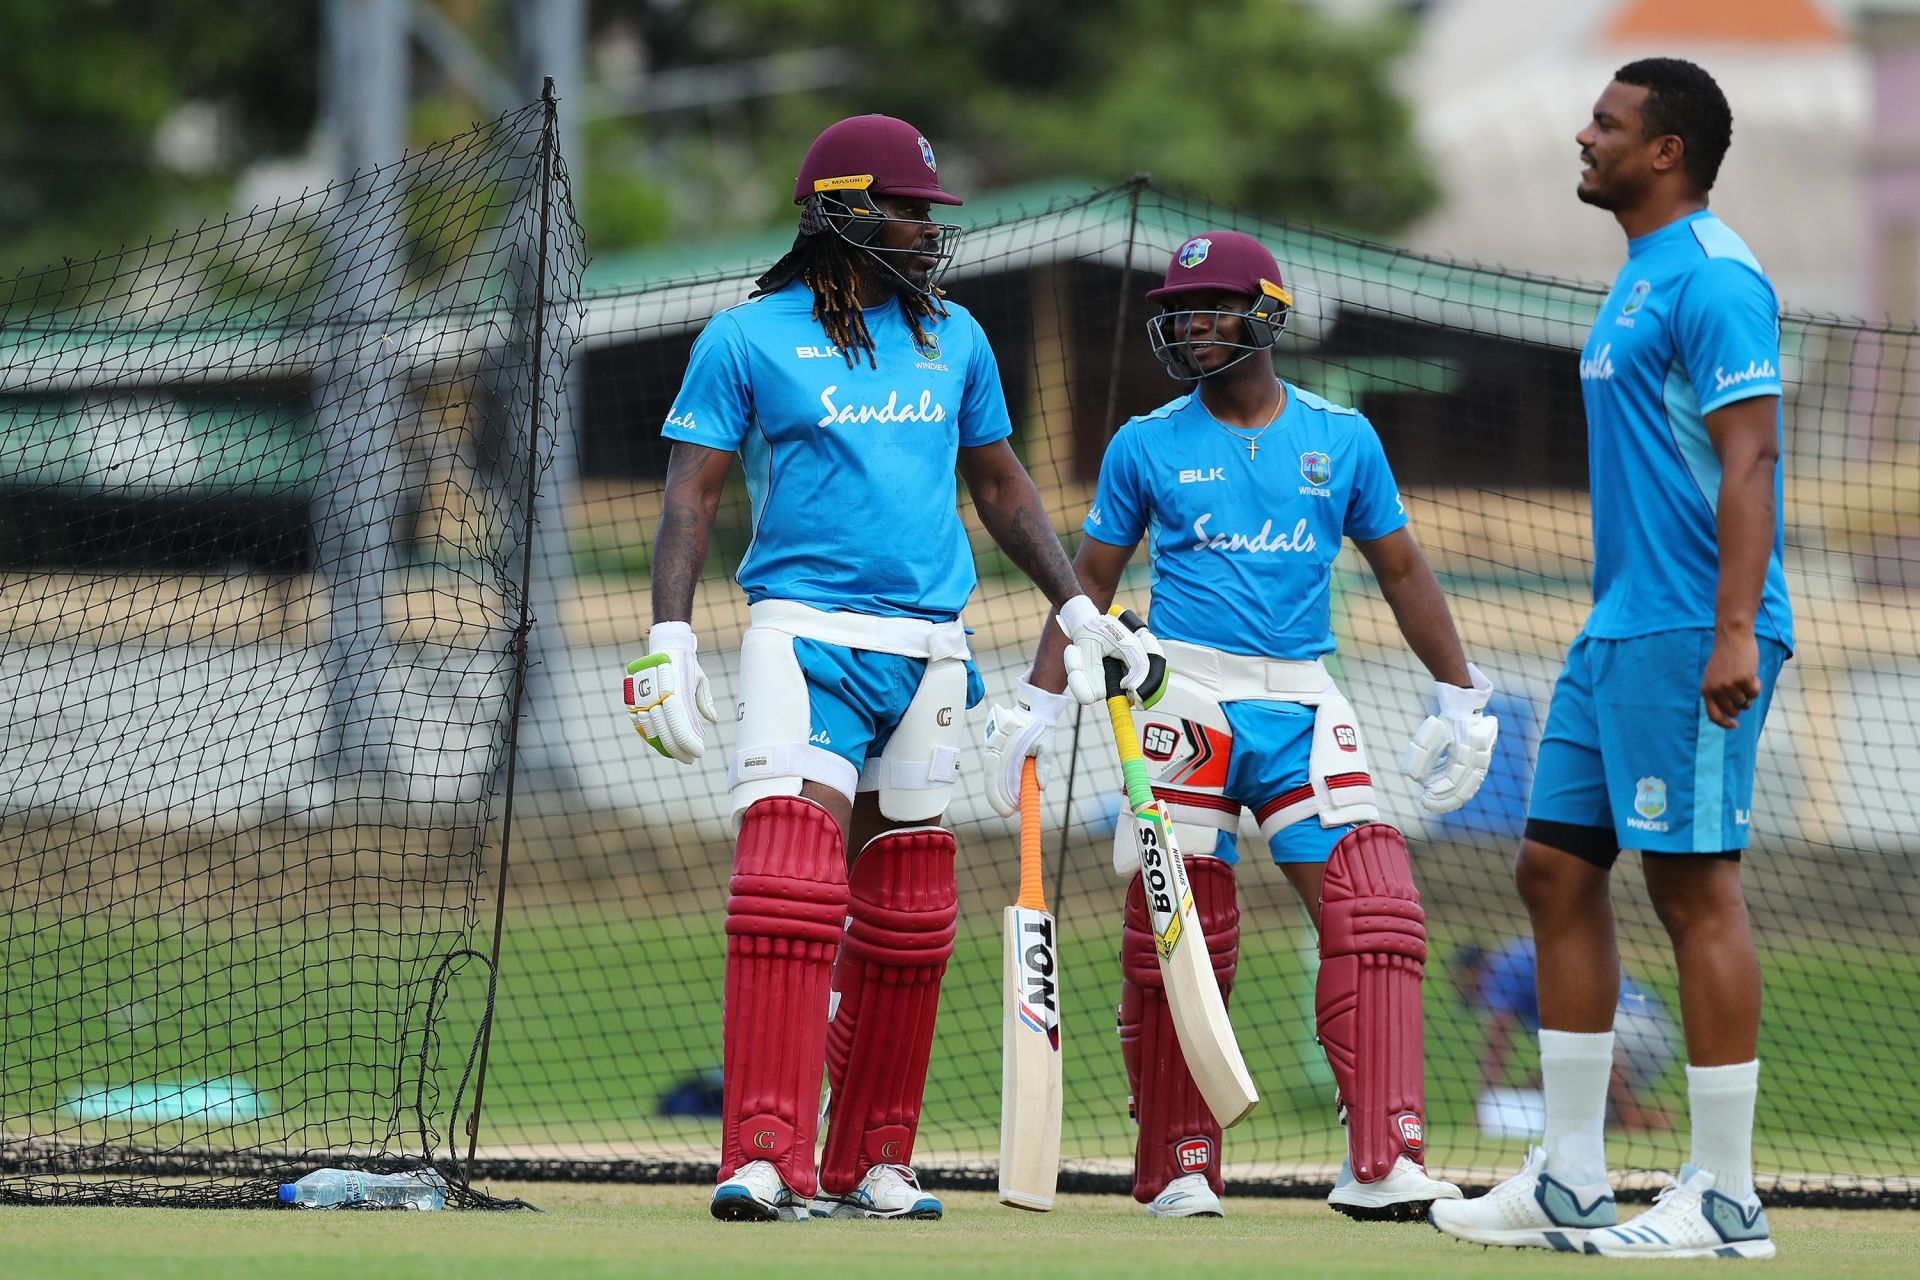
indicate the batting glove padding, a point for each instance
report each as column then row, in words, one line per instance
column 1092, row 638
column 1451, row 751
column 1014, row 733
column 655, row 690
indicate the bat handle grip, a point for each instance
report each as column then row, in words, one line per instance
column 1133, row 770
column 1156, row 665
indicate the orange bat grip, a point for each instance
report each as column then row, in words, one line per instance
column 1032, row 895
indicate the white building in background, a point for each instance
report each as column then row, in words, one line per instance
column 1500, row 87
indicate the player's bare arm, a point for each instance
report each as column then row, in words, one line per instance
column 1407, row 582
column 1098, row 565
column 1016, row 519
column 696, row 475
column 1745, row 434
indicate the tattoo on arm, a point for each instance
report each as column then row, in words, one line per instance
column 679, row 554
column 1020, row 526
column 694, row 481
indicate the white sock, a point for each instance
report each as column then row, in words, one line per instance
column 1722, row 1103
column 1574, row 1069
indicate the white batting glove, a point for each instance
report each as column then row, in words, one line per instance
column 1092, row 638
column 655, row 690
column 1451, row 751
column 1014, row 733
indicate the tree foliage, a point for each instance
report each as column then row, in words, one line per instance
column 87, row 85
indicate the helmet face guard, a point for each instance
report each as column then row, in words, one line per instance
column 1171, row 333
column 846, row 207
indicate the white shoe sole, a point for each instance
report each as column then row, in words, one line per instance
column 1731, row 1249
column 1558, row 1239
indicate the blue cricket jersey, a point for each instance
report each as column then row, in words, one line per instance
column 1242, row 546
column 1692, row 325
column 850, row 470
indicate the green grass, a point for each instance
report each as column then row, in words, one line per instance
column 591, row 1231
column 598, row 1017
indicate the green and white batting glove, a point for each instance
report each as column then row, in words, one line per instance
column 655, row 689
column 1014, row 733
column 1451, row 751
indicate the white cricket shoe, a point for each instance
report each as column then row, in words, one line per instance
column 1402, row 1196
column 755, row 1193
column 1532, row 1209
column 1689, row 1220
column 1187, row 1196
column 888, row 1191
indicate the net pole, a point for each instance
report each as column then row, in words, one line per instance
column 1134, row 187
column 549, row 137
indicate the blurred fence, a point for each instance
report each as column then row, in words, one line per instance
column 257, row 678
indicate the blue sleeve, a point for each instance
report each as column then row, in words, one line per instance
column 1119, row 512
column 1374, row 509
column 1726, row 327
column 983, row 406
column 715, row 403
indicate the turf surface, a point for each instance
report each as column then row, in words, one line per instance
column 590, row 1231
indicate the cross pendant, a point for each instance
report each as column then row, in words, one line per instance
column 1253, row 449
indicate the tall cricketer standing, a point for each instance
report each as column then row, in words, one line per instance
column 848, row 388
column 1246, row 488
column 1651, row 739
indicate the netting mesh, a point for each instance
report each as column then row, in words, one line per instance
column 236, row 856
column 263, row 511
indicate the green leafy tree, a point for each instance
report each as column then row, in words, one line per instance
column 86, row 86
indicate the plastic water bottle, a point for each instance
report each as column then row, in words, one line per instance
column 330, row 1188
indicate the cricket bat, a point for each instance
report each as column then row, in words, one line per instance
column 1199, row 1014
column 1030, row 1028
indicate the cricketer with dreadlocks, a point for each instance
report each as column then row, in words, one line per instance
column 850, row 390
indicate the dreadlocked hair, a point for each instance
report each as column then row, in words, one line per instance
column 833, row 269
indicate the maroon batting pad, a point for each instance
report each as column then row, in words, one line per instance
column 1373, row 953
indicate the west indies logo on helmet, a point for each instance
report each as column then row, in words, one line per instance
column 864, row 157
column 1218, row 262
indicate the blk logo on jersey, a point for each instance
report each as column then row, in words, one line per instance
column 1316, row 468
column 818, row 353
column 1198, row 476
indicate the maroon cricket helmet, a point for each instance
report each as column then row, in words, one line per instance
column 880, row 154
column 1228, row 260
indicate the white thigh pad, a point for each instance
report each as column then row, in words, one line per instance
column 916, row 772
column 1186, row 743
column 1342, row 783
column 774, row 756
